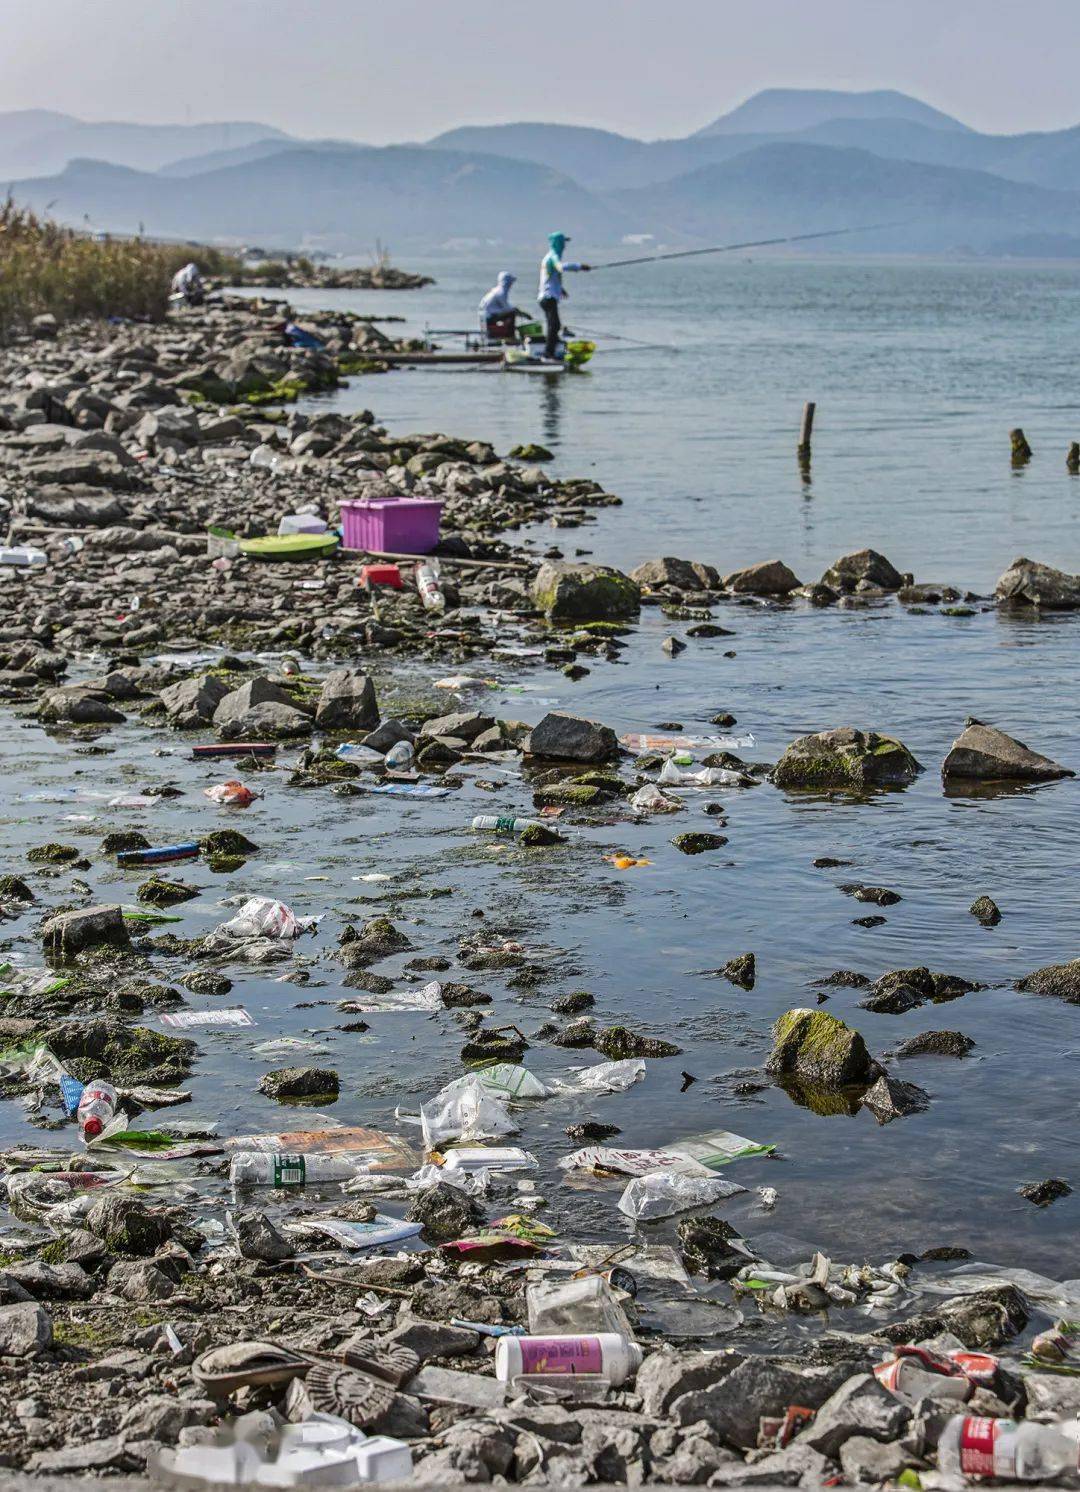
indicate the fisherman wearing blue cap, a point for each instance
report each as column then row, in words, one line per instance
column 551, row 293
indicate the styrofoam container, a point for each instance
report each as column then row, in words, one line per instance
column 301, row 523
column 391, row 525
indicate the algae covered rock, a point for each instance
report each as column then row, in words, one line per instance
column 585, row 593
column 127, row 1225
column 845, row 759
column 300, row 1082
column 1062, row 980
column 819, row 1050
column 105, row 1046
column 70, row 933
column 159, row 892
column 618, row 1042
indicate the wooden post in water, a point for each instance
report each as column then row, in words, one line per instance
column 806, row 430
column 1072, row 460
column 1021, row 451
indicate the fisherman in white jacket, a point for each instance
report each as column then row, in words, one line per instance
column 496, row 307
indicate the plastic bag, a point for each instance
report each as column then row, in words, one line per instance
column 664, row 1193
column 262, row 917
column 704, row 777
column 465, row 1110
column 649, row 799
column 602, row 1077
column 570, row 1306
column 235, row 794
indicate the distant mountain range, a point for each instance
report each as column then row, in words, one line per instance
column 785, row 161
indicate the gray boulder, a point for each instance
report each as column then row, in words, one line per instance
column 347, row 702
column 889, row 1099
column 299, row 1082
column 85, row 468
column 767, row 578
column 140, row 1281
column 75, row 507
column 69, row 933
column 192, row 702
column 257, row 1238
column 174, row 424
column 25, row 1330
column 982, row 753
column 679, row 574
column 861, row 1406
column 463, row 725
column 585, row 593
column 561, row 737
column 259, row 708
column 78, row 704
column 866, row 567
column 819, row 1049
column 845, row 759
column 760, row 1386
column 1028, row 583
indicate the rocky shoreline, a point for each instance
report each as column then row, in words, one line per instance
column 120, row 448
column 301, row 274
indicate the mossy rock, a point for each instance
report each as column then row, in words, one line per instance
column 52, row 854
column 310, row 1083
column 566, row 794
column 573, row 1003
column 585, row 593
column 158, row 892
column 227, row 842
column 489, row 1046
column 105, row 1046
column 696, row 842
column 536, row 836
column 206, row 982
column 819, row 1050
column 845, row 759
column 14, row 888
column 124, row 839
column 127, row 1225
column 225, row 864
column 530, row 451
column 619, row 1042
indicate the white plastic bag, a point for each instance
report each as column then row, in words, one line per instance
column 465, row 1110
column 262, row 917
column 649, row 799
column 703, row 777
column 602, row 1077
column 664, row 1193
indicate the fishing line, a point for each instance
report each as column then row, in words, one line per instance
column 728, row 248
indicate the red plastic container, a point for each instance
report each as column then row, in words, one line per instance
column 380, row 575
column 391, row 525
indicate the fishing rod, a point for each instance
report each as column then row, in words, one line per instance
column 728, row 248
column 637, row 343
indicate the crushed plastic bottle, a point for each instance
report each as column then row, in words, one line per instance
column 96, row 1108
column 427, row 583
column 400, row 756
column 974, row 1447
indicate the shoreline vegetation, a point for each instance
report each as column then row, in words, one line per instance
column 51, row 275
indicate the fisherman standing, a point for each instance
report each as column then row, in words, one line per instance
column 552, row 268
column 497, row 314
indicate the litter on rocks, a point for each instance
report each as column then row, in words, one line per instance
column 235, row 1017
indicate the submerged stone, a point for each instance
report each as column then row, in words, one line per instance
column 618, row 1042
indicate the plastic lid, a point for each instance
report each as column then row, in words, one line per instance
column 92, row 1127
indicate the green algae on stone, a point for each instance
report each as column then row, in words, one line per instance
column 819, row 1049
column 14, row 888
column 158, row 892
column 227, row 842
column 696, row 842
column 52, row 854
column 124, row 839
column 845, row 759
column 224, row 864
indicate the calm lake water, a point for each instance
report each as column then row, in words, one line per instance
column 920, row 371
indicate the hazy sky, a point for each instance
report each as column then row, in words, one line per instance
column 380, row 70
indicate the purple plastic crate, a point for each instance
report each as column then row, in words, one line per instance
column 391, row 525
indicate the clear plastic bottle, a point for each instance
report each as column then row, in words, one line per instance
column 275, row 1168
column 975, row 1447
column 96, row 1108
column 400, row 756
column 427, row 583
